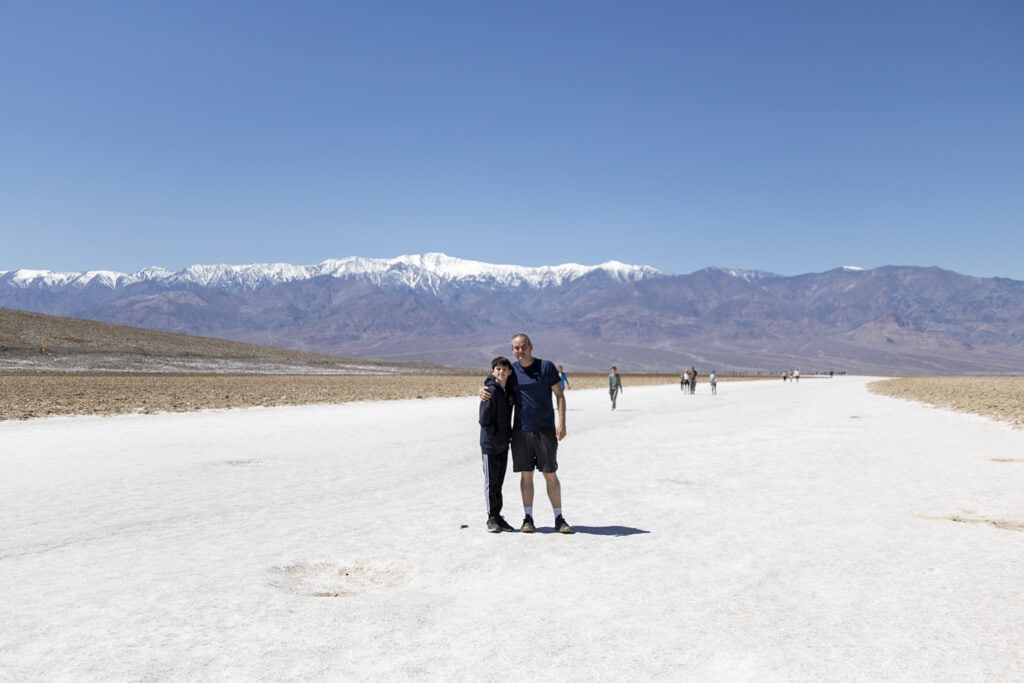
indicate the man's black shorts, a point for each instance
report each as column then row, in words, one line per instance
column 535, row 450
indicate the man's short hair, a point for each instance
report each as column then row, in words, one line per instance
column 524, row 336
column 502, row 361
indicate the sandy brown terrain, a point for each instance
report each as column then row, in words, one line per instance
column 28, row 395
column 1001, row 398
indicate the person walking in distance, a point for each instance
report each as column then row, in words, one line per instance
column 495, row 434
column 614, row 385
column 535, row 430
column 713, row 380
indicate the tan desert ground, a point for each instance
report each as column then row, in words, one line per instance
column 1001, row 398
column 27, row 395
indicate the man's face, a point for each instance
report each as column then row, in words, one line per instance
column 522, row 349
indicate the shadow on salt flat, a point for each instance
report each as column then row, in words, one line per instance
column 609, row 530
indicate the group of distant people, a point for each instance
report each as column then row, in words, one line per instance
column 688, row 381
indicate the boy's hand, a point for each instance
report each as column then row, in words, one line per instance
column 484, row 394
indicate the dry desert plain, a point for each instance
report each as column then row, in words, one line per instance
column 30, row 395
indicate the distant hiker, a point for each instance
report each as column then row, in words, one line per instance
column 796, row 375
column 614, row 385
column 535, row 431
column 495, row 434
column 693, row 380
column 564, row 378
column 686, row 381
column 713, row 381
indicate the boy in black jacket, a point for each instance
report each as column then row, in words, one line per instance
column 495, row 433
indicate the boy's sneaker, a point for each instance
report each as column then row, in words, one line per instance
column 492, row 525
column 527, row 527
column 562, row 526
column 502, row 524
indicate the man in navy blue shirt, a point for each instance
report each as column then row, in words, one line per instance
column 535, row 431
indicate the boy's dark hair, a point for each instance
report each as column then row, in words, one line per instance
column 502, row 361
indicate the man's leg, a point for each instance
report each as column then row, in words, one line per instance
column 554, row 489
column 555, row 496
column 526, row 488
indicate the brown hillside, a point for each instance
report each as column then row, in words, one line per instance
column 32, row 341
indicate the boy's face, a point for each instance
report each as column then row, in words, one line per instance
column 501, row 373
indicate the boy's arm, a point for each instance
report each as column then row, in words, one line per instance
column 487, row 412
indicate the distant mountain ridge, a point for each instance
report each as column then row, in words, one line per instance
column 423, row 270
column 440, row 309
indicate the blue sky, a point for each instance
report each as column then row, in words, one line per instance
column 792, row 137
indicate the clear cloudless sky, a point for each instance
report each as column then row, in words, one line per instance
column 791, row 136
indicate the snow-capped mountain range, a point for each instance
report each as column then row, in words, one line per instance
column 436, row 308
column 422, row 271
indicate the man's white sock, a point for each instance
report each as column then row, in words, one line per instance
column 529, row 511
column 558, row 512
